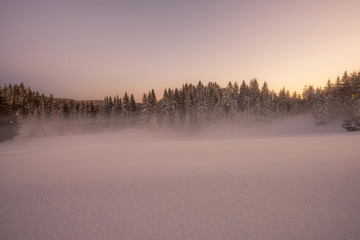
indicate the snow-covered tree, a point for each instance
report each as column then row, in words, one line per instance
column 265, row 99
column 254, row 99
column 321, row 108
column 243, row 100
column 144, row 111
column 352, row 116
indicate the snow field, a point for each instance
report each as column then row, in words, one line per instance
column 141, row 185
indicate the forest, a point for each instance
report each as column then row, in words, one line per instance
column 190, row 106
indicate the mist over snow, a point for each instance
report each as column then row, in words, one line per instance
column 289, row 179
column 165, row 120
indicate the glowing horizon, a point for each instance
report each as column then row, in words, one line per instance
column 91, row 50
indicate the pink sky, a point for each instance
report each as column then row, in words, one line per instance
column 89, row 49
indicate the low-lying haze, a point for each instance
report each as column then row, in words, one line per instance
column 287, row 180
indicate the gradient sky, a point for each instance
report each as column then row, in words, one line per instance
column 89, row 49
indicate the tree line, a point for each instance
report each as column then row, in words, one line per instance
column 192, row 105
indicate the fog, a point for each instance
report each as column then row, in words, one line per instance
column 289, row 179
column 226, row 128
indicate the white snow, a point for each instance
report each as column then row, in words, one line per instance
column 288, row 180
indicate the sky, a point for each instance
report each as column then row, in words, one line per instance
column 91, row 49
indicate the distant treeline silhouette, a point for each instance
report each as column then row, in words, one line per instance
column 191, row 105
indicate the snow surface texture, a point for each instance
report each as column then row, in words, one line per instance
column 289, row 180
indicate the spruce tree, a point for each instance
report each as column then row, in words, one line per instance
column 321, row 108
column 243, row 97
column 283, row 101
column 352, row 117
column 152, row 103
column 265, row 100
column 144, row 110
column 133, row 109
column 165, row 108
column 126, row 107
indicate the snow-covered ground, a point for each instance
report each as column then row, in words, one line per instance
column 288, row 180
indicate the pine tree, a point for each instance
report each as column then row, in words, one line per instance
column 144, row 110
column 309, row 97
column 72, row 107
column 295, row 104
column 346, row 90
column 4, row 108
column 65, row 110
column 8, row 124
column 243, row 97
column 133, row 109
column 175, row 107
column 152, row 104
column 125, row 108
column 352, row 117
column 356, row 97
column 329, row 92
column 337, row 97
column 118, row 109
column 165, row 107
column 254, row 100
column 188, row 104
column 283, row 101
column 202, row 111
column 321, row 108
column 106, row 108
column 113, row 111
column 265, row 100
column 230, row 100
